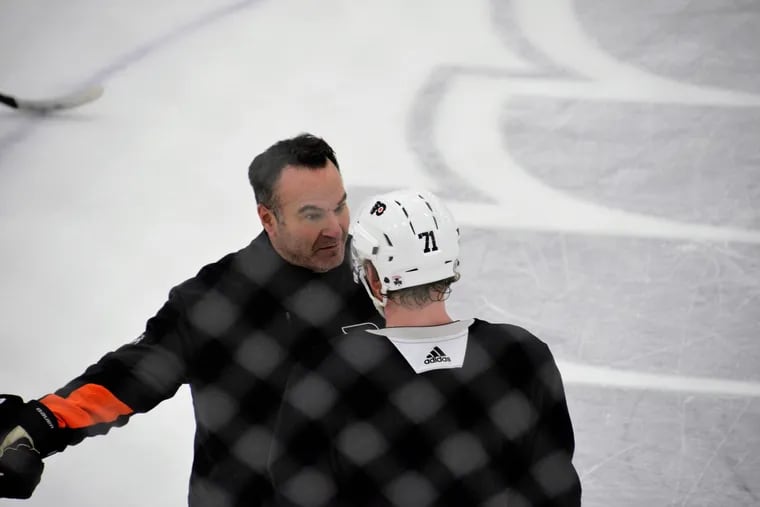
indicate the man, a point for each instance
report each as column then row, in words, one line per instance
column 428, row 410
column 231, row 332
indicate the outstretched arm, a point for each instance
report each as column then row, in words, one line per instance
column 132, row 379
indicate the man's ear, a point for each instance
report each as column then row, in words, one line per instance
column 373, row 279
column 267, row 217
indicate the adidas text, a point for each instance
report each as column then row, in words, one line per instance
column 444, row 359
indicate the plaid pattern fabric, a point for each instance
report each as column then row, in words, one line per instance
column 359, row 428
column 232, row 333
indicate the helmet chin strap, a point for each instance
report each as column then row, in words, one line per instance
column 379, row 304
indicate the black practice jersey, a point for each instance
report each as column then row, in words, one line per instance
column 360, row 427
column 232, row 333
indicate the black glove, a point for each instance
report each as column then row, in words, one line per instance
column 25, row 430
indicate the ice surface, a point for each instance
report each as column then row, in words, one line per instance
column 603, row 159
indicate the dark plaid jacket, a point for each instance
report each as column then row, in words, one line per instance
column 232, row 333
column 359, row 427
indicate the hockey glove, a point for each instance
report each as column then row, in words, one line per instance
column 24, row 429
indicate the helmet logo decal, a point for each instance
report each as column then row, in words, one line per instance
column 378, row 209
column 397, row 280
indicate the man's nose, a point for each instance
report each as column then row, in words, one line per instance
column 333, row 226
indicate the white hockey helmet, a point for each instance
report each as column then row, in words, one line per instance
column 410, row 237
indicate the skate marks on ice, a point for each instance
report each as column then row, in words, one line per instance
column 466, row 147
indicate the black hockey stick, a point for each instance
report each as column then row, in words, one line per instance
column 69, row 101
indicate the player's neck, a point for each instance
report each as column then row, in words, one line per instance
column 433, row 314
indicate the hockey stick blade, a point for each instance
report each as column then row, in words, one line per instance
column 69, row 101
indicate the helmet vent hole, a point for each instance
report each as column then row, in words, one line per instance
column 391, row 258
column 435, row 221
column 375, row 250
column 387, row 239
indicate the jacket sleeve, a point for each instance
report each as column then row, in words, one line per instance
column 549, row 477
column 132, row 379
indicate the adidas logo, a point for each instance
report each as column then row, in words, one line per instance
column 437, row 356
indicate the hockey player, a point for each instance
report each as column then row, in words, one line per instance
column 427, row 410
column 231, row 333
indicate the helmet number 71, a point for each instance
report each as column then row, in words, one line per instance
column 430, row 245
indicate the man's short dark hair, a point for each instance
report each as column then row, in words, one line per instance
column 422, row 295
column 419, row 295
column 305, row 150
